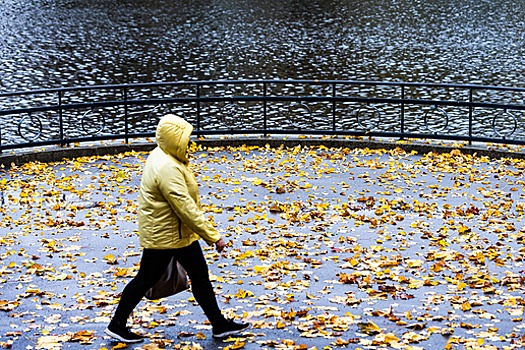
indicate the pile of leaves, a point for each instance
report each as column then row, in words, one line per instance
column 327, row 248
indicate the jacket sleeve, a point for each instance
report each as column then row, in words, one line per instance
column 174, row 189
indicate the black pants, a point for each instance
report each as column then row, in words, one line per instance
column 152, row 266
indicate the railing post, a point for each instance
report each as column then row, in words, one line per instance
column 333, row 106
column 61, row 119
column 402, row 112
column 126, row 120
column 198, row 107
column 265, row 110
column 1, row 139
column 470, row 116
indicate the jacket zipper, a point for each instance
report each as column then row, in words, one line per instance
column 180, row 229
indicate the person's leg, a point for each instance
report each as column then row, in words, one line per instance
column 193, row 261
column 152, row 265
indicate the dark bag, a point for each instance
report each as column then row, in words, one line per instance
column 173, row 281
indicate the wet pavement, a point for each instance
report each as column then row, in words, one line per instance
column 328, row 248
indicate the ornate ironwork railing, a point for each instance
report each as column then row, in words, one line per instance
column 265, row 107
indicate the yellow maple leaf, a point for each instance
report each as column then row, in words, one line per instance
column 241, row 294
column 369, row 328
column 201, row 336
column 110, row 259
column 237, row 345
column 466, row 306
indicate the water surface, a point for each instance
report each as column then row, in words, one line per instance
column 46, row 43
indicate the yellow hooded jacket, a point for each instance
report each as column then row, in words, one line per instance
column 169, row 211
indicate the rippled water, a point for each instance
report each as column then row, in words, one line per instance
column 50, row 43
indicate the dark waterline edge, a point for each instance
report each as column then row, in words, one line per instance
column 58, row 154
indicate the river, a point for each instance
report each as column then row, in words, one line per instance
column 52, row 43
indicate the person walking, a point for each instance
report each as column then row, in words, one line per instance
column 171, row 223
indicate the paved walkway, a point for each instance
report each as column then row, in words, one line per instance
column 328, row 248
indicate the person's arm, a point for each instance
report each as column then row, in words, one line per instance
column 173, row 187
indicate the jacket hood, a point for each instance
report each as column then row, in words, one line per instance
column 173, row 135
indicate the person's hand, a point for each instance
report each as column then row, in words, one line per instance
column 220, row 245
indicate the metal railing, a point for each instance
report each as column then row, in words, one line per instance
column 302, row 107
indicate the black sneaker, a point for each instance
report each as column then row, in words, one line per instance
column 123, row 334
column 229, row 328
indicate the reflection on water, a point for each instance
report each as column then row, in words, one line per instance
column 46, row 43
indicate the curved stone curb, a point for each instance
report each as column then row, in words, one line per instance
column 59, row 154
